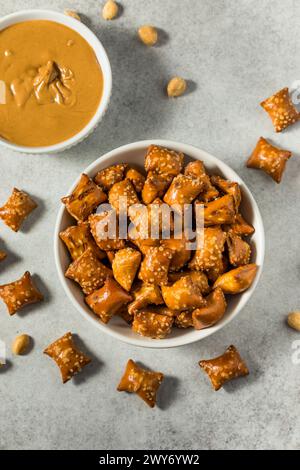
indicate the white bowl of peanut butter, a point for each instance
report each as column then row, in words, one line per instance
column 55, row 81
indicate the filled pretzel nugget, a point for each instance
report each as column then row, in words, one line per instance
column 122, row 195
column 239, row 250
column 224, row 368
column 146, row 295
column 199, row 279
column 197, row 170
column 240, row 226
column 183, row 190
column 220, row 211
column 78, row 238
column 136, row 178
column 228, row 187
column 212, row 312
column 155, row 186
column 237, row 280
column 281, row 110
column 67, row 356
column 209, row 255
column 125, row 266
column 142, row 382
column 109, row 176
column 154, row 325
column 101, row 225
column 183, row 295
column 17, row 208
column 20, row 293
column 88, row 272
column 155, row 266
column 181, row 252
column 184, row 320
column 85, row 198
column 272, row 160
column 108, row 300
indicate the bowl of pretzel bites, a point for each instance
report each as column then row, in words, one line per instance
column 159, row 244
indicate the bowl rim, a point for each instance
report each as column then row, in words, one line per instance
column 102, row 57
column 183, row 340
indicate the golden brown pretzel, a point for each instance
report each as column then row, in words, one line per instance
column 109, row 176
column 239, row 251
column 183, row 190
column 183, row 295
column 219, row 211
column 240, row 226
column 99, row 224
column 17, row 208
column 281, row 110
column 199, row 279
column 122, row 195
column 155, row 266
column 78, row 238
column 237, row 280
column 147, row 322
column 125, row 266
column 212, row 312
column 228, row 187
column 145, row 295
column 20, row 293
column 197, row 170
column 210, row 255
column 136, row 178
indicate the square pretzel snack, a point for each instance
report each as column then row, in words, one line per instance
column 142, row 382
column 67, row 356
column 17, row 208
column 281, row 110
column 159, row 278
column 20, row 293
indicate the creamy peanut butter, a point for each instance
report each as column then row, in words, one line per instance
column 50, row 82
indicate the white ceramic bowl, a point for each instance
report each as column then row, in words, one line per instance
column 102, row 58
column 134, row 154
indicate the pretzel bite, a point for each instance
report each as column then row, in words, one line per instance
column 67, row 356
column 199, row 279
column 146, row 295
column 272, row 160
column 183, row 295
column 237, row 280
column 142, row 382
column 163, row 161
column 220, row 211
column 109, row 176
column 218, row 269
column 100, row 225
column 184, row 320
column 85, row 198
column 196, row 169
column 210, row 255
column 240, row 226
column 183, row 190
column 78, row 238
column 155, row 266
column 228, row 187
column 239, row 251
column 143, row 244
column 155, row 186
column 16, row 209
column 122, row 195
column 154, row 325
column 3, row 255
column 212, row 312
column 20, row 293
column 125, row 266
column 88, row 271
column 281, row 110
column 136, row 178
column 181, row 254
column 151, row 221
column 108, row 300
column 225, row 368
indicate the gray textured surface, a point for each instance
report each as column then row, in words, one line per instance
column 235, row 53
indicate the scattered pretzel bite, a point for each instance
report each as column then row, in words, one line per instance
column 78, row 238
column 16, row 209
column 20, row 293
column 109, row 176
column 108, row 300
column 199, row 279
column 88, row 272
column 67, row 356
column 154, row 325
column 183, row 295
column 272, row 160
column 184, row 320
column 2, row 255
column 220, row 211
column 85, row 198
column 281, row 110
column 210, row 254
column 183, row 190
column 239, row 250
column 146, row 295
column 122, row 195
column 212, row 312
column 225, row 368
column 100, row 225
column 155, row 266
column 197, row 170
column 142, row 382
column 181, row 253
column 240, row 226
column 228, row 187
column 237, row 280
column 125, row 266
column 163, row 161
column 136, row 178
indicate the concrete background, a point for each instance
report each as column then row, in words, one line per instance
column 234, row 53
